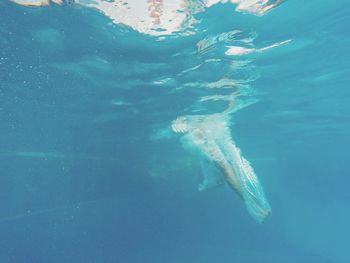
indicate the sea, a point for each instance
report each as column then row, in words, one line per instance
column 148, row 131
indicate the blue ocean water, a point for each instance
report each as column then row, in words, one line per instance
column 90, row 170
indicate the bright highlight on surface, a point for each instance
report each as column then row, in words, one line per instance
column 159, row 17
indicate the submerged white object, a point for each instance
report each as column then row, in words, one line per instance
column 211, row 135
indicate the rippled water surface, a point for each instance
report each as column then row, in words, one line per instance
column 174, row 131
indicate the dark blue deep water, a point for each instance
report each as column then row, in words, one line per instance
column 90, row 170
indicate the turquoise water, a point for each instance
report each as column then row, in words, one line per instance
column 92, row 171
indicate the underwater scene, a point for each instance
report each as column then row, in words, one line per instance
column 163, row 131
